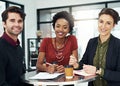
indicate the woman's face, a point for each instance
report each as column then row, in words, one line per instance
column 61, row 28
column 105, row 24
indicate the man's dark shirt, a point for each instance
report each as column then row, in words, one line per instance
column 12, row 65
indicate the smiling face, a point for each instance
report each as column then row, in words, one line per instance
column 61, row 28
column 13, row 25
column 105, row 25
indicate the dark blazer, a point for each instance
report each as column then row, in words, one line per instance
column 112, row 70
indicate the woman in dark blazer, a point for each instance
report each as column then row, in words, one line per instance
column 102, row 55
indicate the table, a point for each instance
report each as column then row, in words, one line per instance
column 60, row 81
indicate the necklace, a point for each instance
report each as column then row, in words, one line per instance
column 59, row 50
column 59, row 55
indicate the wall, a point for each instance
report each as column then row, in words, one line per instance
column 57, row 3
column 32, row 5
column 30, row 21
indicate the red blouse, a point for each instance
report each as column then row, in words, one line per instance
column 51, row 53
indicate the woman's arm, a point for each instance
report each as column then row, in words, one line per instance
column 40, row 65
column 74, row 59
column 75, row 54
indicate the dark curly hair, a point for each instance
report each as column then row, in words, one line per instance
column 67, row 16
column 110, row 12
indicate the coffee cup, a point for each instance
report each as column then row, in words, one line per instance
column 69, row 71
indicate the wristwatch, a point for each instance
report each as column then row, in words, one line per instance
column 98, row 71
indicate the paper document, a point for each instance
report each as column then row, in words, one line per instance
column 81, row 72
column 45, row 75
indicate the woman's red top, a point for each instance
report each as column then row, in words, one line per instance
column 61, row 57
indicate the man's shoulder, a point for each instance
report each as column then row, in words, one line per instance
column 3, row 44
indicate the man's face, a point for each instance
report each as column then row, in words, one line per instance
column 14, row 24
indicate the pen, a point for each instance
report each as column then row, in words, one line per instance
column 48, row 63
column 51, row 64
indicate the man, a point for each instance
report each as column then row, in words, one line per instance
column 12, row 65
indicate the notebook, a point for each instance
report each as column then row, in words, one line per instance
column 45, row 75
column 81, row 72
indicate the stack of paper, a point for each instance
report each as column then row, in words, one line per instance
column 81, row 72
column 45, row 75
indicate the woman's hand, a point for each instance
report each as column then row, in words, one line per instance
column 50, row 69
column 73, row 61
column 89, row 69
column 60, row 68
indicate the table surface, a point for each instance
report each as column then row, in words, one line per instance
column 60, row 80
